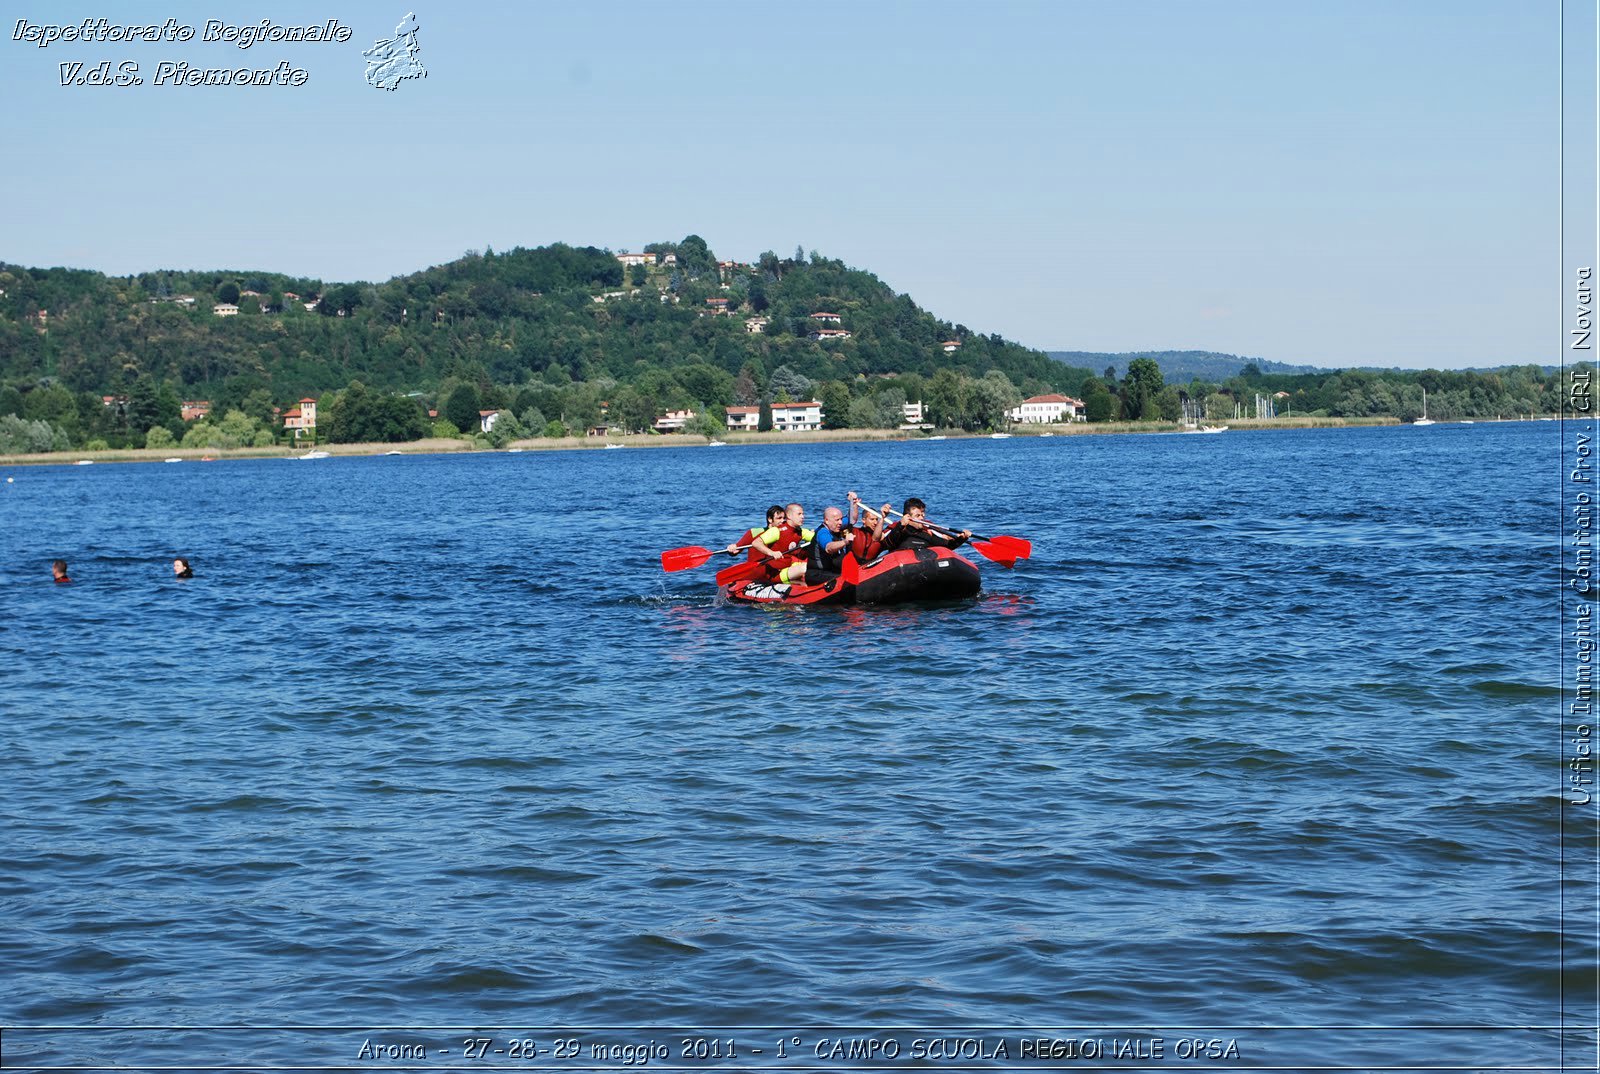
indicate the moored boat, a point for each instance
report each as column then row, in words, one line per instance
column 909, row 574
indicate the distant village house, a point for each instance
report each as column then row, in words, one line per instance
column 673, row 421
column 796, row 417
column 301, row 418
column 1047, row 410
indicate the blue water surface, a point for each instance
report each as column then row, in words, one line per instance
column 1265, row 733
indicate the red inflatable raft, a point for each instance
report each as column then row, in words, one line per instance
column 906, row 575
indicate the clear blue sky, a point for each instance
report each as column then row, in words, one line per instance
column 1358, row 183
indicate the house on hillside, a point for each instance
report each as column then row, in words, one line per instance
column 673, row 421
column 951, row 345
column 796, row 417
column 487, row 418
column 1046, row 410
column 301, row 418
column 755, row 325
column 194, row 409
column 742, row 419
column 225, row 309
column 826, row 318
column 830, row 335
column 637, row 259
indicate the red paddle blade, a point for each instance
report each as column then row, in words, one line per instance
column 997, row 553
column 850, row 570
column 1012, row 547
column 681, row 559
column 741, row 572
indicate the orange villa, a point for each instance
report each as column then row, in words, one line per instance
column 302, row 417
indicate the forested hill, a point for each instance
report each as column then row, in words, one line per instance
column 566, row 313
column 1180, row 367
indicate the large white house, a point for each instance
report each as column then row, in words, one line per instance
column 1046, row 410
column 804, row 417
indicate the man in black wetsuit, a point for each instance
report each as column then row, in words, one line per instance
column 828, row 548
column 913, row 531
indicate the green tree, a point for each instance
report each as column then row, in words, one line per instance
column 461, row 409
column 835, row 400
column 506, row 428
column 158, row 437
column 1098, row 404
column 1141, row 387
column 945, row 398
column 705, row 424
column 228, row 292
column 764, row 419
column 143, row 404
column 555, row 429
column 785, row 381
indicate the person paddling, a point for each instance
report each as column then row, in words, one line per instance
column 788, row 541
column 750, row 538
column 913, row 531
column 828, row 548
column 866, row 529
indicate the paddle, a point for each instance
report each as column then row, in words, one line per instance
column 681, row 559
column 1000, row 548
column 742, row 572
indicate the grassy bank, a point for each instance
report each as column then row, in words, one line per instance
column 438, row 445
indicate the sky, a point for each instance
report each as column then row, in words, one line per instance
column 1353, row 183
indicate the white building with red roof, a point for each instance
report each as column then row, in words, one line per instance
column 742, row 418
column 796, row 417
column 1046, row 410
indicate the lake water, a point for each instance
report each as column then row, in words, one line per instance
column 1266, row 734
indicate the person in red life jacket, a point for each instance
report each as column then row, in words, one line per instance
column 59, row 569
column 788, row 540
column 866, row 530
column 750, row 538
column 913, row 531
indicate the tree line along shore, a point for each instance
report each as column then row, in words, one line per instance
column 457, row 446
column 559, row 341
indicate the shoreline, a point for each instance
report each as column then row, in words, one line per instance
column 441, row 446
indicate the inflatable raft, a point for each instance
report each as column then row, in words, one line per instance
column 910, row 574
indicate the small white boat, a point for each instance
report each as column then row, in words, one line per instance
column 84, row 462
column 999, row 436
column 937, row 438
column 716, row 443
column 171, row 460
column 1467, row 423
column 394, row 453
column 1043, row 435
column 509, row 451
column 1214, row 428
column 615, row 447
column 314, row 455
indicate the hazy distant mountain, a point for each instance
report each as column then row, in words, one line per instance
column 1180, row 367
